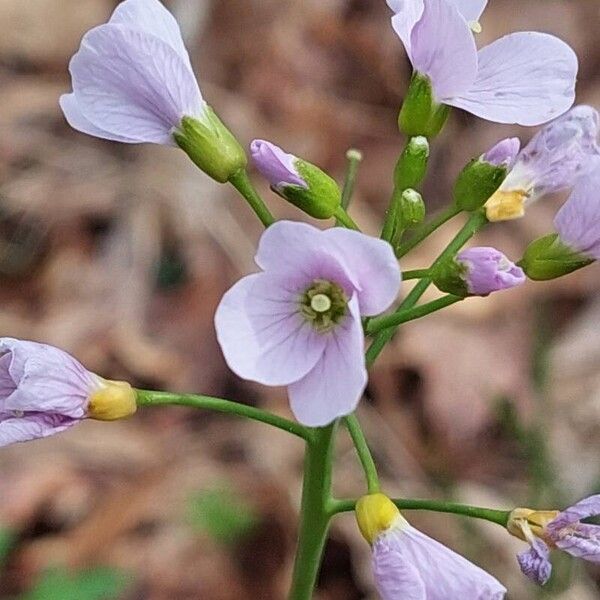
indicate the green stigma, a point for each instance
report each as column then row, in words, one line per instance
column 323, row 305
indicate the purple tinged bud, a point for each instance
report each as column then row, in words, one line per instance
column 503, row 153
column 487, row 270
column 277, row 166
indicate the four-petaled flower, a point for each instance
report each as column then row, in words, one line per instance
column 496, row 83
column 44, row 391
column 553, row 529
column 298, row 322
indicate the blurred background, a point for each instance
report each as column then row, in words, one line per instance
column 120, row 254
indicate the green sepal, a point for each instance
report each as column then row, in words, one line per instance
column 211, row 146
column 449, row 277
column 477, row 183
column 412, row 164
column 320, row 199
column 548, row 258
column 411, row 209
column 421, row 114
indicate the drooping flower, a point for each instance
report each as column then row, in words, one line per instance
column 298, row 322
column 495, row 83
column 298, row 181
column 552, row 161
column 408, row 564
column 553, row 529
column 478, row 272
column 133, row 82
column 44, row 391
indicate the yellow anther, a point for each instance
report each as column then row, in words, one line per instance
column 375, row 514
column 111, row 401
column 504, row 206
column 475, row 26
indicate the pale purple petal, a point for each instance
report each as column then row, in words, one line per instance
column 488, row 270
column 45, row 379
column 262, row 334
column 7, row 383
column 277, row 166
column 335, row 385
column 535, row 562
column 588, row 507
column 578, row 220
column 471, row 10
column 133, row 84
column 445, row 574
column 75, row 118
column 372, row 265
column 408, row 12
column 151, row 17
column 526, row 78
column 442, row 47
column 32, row 426
column 504, row 153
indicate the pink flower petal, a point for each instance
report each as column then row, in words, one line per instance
column 335, row 385
column 24, row 429
column 526, row 78
column 408, row 12
column 133, row 84
column 261, row 332
column 442, row 47
column 395, row 576
column 372, row 265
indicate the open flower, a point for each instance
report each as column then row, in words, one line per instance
column 298, row 322
column 44, row 391
column 133, row 82
column 495, row 83
column 408, row 564
column 553, row 529
column 552, row 161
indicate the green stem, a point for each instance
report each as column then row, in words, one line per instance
column 415, row 274
column 241, row 182
column 391, row 216
column 354, row 159
column 344, row 219
column 425, row 230
column 315, row 512
column 397, row 318
column 149, row 398
column 364, row 454
column 500, row 517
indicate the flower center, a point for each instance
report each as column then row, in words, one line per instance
column 503, row 206
column 323, row 304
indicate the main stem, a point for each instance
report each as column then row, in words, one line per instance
column 315, row 512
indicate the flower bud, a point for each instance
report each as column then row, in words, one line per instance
column 211, row 146
column 375, row 513
column 412, row 164
column 548, row 258
column 477, row 272
column 411, row 210
column 420, row 113
column 297, row 181
column 482, row 177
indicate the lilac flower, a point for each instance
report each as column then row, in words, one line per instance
column 408, row 564
column 552, row 529
column 578, row 220
column 277, row 166
column 504, row 153
column 132, row 78
column 495, row 83
column 487, row 270
column 44, row 391
column 298, row 322
column 552, row 161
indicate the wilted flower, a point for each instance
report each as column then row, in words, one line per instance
column 133, row 82
column 44, row 391
column 495, row 83
column 408, row 564
column 552, row 161
column 553, row 529
column 298, row 322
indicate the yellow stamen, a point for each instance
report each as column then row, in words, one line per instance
column 113, row 400
column 375, row 514
column 475, row 26
column 504, row 206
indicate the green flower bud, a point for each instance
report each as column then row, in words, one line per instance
column 412, row 164
column 420, row 113
column 477, row 183
column 211, row 146
column 411, row 210
column 548, row 258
